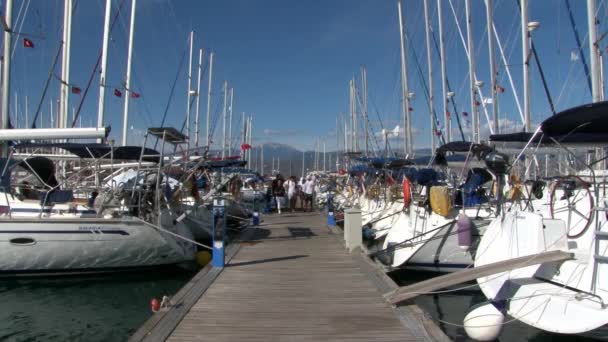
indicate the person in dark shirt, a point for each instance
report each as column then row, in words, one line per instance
column 278, row 190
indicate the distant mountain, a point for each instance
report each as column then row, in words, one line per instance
column 288, row 160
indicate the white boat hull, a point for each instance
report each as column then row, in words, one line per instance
column 30, row 246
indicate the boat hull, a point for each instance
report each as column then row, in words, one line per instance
column 30, row 246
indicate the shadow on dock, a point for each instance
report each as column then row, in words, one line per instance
column 263, row 261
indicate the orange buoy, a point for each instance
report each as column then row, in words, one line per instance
column 154, row 305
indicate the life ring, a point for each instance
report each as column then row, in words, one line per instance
column 407, row 192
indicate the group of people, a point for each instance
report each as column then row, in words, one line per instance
column 304, row 190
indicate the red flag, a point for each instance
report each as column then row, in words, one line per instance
column 117, row 93
column 245, row 147
column 438, row 133
column 465, row 114
column 410, row 109
column 135, row 95
column 76, row 90
column 28, row 43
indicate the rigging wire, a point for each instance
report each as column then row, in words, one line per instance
column 425, row 88
column 179, row 69
column 578, row 43
column 94, row 70
column 456, row 113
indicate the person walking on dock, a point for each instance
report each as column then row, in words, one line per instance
column 278, row 190
column 291, row 188
column 309, row 188
column 301, row 193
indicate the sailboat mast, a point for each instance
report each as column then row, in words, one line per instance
column 594, row 53
column 243, row 134
column 198, row 98
column 364, row 110
column 189, row 95
column 351, row 100
column 65, row 64
column 525, row 48
column 104, row 63
column 444, row 77
column 345, row 133
column 209, row 100
column 355, row 118
column 407, row 128
column 230, row 122
column 471, row 53
column 493, row 85
column 430, row 73
column 262, row 160
column 250, row 135
column 303, row 163
column 125, row 124
column 324, row 154
column 6, row 63
column 224, row 119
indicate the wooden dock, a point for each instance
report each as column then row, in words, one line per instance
column 290, row 279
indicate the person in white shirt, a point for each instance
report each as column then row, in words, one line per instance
column 308, row 189
column 290, row 188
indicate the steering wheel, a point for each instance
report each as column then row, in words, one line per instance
column 574, row 205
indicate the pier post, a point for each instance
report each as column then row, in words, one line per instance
column 352, row 228
column 219, row 227
column 331, row 218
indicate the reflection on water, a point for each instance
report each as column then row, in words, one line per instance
column 452, row 307
column 91, row 308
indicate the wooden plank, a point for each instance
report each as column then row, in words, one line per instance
column 408, row 292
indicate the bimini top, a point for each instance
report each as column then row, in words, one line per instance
column 169, row 134
column 381, row 162
column 478, row 150
column 583, row 124
column 590, row 119
column 217, row 164
column 98, row 151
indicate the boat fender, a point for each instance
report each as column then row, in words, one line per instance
column 203, row 258
column 407, row 192
column 464, row 225
column 484, row 323
column 154, row 305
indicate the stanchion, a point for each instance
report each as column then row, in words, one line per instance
column 219, row 227
column 331, row 219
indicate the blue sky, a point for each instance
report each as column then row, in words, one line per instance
column 290, row 61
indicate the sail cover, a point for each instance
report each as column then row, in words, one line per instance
column 88, row 151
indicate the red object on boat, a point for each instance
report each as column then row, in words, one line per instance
column 135, row 95
column 407, row 192
column 465, row 114
column 117, row 93
column 154, row 305
column 245, row 147
column 28, row 43
column 76, row 90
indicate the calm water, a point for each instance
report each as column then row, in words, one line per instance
column 92, row 308
column 453, row 307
